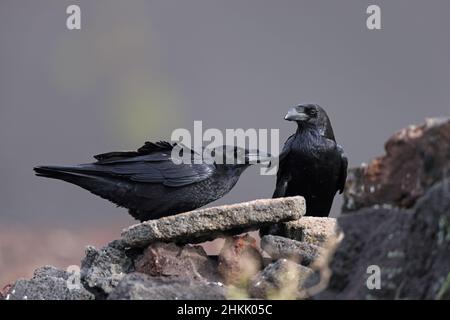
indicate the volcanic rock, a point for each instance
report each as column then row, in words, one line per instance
column 102, row 269
column 139, row 286
column 409, row 250
column 279, row 247
column 168, row 259
column 48, row 283
column 416, row 158
column 282, row 279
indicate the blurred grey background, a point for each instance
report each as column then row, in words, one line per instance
column 139, row 69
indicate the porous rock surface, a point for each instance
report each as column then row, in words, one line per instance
column 312, row 230
column 48, row 283
column 409, row 249
column 139, row 286
column 416, row 157
column 207, row 224
column 283, row 248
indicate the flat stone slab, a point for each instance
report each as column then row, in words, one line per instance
column 312, row 230
column 207, row 224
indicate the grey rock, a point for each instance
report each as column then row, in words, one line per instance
column 279, row 247
column 411, row 248
column 168, row 259
column 50, row 271
column 48, row 283
column 207, row 224
column 102, row 269
column 138, row 286
column 312, row 230
column 283, row 279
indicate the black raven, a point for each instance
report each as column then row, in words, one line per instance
column 150, row 184
column 311, row 163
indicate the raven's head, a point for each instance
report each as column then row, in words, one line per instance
column 311, row 115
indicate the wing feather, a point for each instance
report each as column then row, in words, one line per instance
column 152, row 163
column 343, row 170
column 283, row 176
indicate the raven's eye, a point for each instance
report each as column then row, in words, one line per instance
column 313, row 112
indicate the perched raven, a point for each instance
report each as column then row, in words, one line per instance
column 151, row 185
column 311, row 163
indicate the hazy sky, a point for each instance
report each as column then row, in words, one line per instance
column 139, row 69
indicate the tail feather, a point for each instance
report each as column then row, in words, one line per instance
column 56, row 171
column 98, row 185
column 68, row 174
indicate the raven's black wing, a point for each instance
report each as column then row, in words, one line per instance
column 343, row 170
column 156, row 151
column 283, row 175
column 151, row 163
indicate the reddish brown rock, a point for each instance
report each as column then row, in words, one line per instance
column 239, row 260
column 4, row 291
column 168, row 259
column 416, row 158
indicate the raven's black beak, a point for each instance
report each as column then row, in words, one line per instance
column 257, row 156
column 296, row 114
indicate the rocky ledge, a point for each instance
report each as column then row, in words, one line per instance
column 396, row 224
column 393, row 242
column 161, row 259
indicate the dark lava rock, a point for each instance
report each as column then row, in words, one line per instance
column 102, row 269
column 48, row 283
column 282, row 279
column 416, row 158
column 410, row 247
column 239, row 260
column 138, row 286
column 168, row 259
column 207, row 224
column 279, row 247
